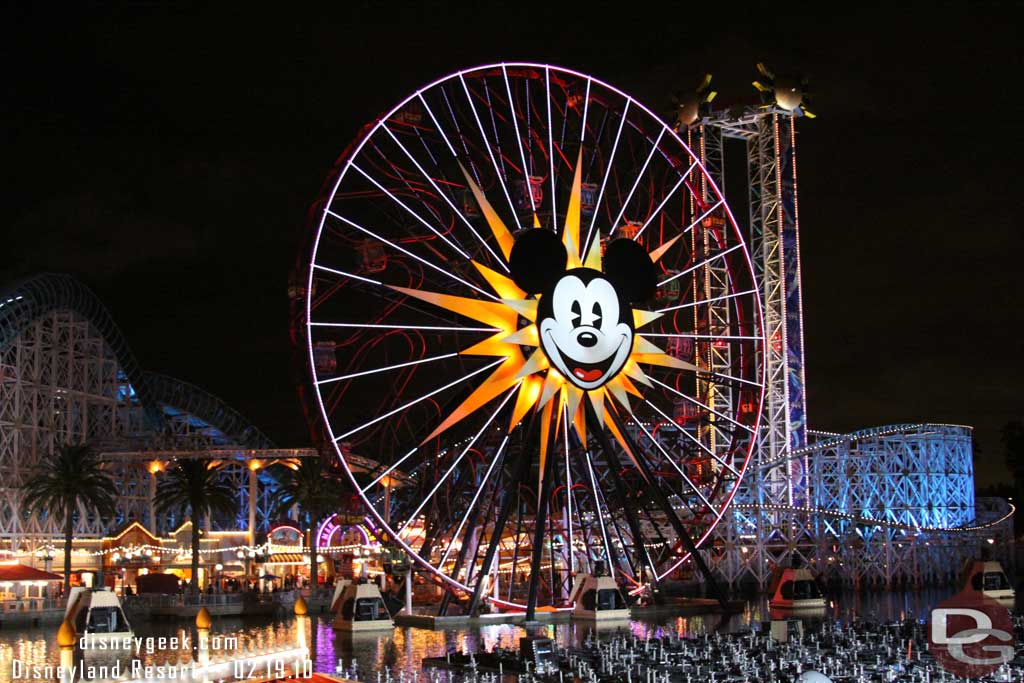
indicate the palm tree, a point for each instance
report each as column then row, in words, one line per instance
column 70, row 479
column 306, row 486
column 197, row 489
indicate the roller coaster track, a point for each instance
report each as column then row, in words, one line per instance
column 25, row 301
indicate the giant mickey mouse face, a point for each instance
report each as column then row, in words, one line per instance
column 584, row 334
column 584, row 316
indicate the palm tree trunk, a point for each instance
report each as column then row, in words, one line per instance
column 195, row 554
column 313, row 565
column 69, row 532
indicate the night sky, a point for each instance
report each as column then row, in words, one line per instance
column 167, row 158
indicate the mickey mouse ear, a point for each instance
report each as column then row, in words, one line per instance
column 630, row 269
column 538, row 258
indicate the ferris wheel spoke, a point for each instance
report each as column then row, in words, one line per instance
column 490, row 152
column 710, row 210
column 519, row 140
column 604, row 180
column 687, row 335
column 388, row 471
column 408, row 253
column 699, row 404
column 410, row 211
column 664, row 201
column 444, row 196
column 437, row 124
column 586, row 106
column 417, row 400
column 703, row 263
column 668, row 458
column 639, row 176
column 698, row 442
column 719, row 375
column 551, row 145
column 424, row 328
column 691, row 304
column 386, row 368
column 568, row 481
column 342, row 273
column 596, row 496
column 462, row 455
column 499, row 456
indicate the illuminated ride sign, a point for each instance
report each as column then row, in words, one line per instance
column 333, row 530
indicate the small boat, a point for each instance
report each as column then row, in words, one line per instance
column 598, row 598
column 795, row 589
column 98, row 619
column 339, row 590
column 988, row 577
column 361, row 608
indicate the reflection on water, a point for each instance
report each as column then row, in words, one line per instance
column 404, row 647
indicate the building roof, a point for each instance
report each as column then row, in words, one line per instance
column 22, row 572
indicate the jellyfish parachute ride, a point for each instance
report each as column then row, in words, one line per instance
column 524, row 274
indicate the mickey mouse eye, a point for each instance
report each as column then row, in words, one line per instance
column 577, row 313
column 598, row 314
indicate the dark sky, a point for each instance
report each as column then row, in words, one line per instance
column 167, row 157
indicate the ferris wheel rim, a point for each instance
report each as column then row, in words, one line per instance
column 349, row 156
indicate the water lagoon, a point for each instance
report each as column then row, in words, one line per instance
column 403, row 648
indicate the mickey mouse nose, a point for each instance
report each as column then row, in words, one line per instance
column 587, row 339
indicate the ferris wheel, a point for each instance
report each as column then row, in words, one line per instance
column 534, row 334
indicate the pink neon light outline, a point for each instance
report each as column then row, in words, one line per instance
column 357, row 149
column 323, row 527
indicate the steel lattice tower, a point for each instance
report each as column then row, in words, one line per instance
column 879, row 506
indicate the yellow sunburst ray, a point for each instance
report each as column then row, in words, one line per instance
column 593, row 259
column 495, row 345
column 524, row 307
column 618, row 390
column 503, row 286
column 529, row 392
column 545, row 433
column 641, row 318
column 573, row 394
column 501, row 232
column 631, row 369
column 579, row 421
column 664, row 360
column 537, row 361
column 644, row 351
column 552, row 383
column 504, row 377
column 628, row 385
column 596, row 397
column 527, row 336
column 571, row 234
column 492, row 313
column 660, row 251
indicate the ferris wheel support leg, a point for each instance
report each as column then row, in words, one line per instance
column 612, row 458
column 663, row 502
column 537, row 548
column 511, row 495
column 459, row 562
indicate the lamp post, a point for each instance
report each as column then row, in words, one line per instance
column 46, row 556
column 220, row 577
